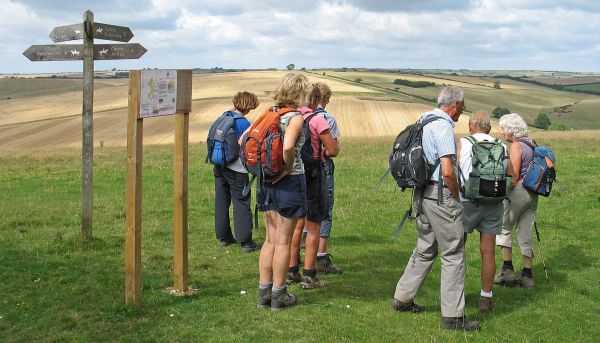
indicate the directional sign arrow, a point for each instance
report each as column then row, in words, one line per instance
column 112, row 32
column 66, row 33
column 118, row 51
column 63, row 52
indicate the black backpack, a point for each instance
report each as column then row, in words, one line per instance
column 407, row 161
column 222, row 140
column 311, row 165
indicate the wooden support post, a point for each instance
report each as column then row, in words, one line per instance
column 133, row 234
column 180, row 203
column 87, row 189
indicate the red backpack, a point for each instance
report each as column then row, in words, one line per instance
column 262, row 145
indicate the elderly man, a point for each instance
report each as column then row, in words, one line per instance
column 439, row 223
column 485, row 216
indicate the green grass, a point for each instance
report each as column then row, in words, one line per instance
column 57, row 287
column 586, row 87
column 28, row 88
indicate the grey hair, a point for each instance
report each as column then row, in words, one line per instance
column 450, row 94
column 481, row 120
column 514, row 124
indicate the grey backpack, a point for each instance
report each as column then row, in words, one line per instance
column 488, row 180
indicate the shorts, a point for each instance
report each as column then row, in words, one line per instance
column 485, row 217
column 287, row 197
column 317, row 198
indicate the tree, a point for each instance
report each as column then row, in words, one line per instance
column 542, row 121
column 500, row 111
column 290, row 66
column 557, row 127
column 497, row 84
column 358, row 79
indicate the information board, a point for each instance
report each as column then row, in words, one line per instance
column 158, row 93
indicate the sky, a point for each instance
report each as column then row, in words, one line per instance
column 426, row 34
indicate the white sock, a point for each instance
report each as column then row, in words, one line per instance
column 265, row 285
column 486, row 294
column 321, row 254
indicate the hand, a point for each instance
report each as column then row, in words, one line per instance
column 284, row 173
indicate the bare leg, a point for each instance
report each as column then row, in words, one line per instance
column 265, row 259
column 527, row 262
column 295, row 245
column 312, row 244
column 323, row 241
column 506, row 253
column 488, row 263
column 281, row 256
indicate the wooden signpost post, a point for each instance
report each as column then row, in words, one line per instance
column 88, row 52
column 157, row 93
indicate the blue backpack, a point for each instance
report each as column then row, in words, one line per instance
column 222, row 140
column 541, row 173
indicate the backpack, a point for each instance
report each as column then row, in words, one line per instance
column 262, row 145
column 222, row 140
column 541, row 174
column 407, row 161
column 311, row 165
column 488, row 180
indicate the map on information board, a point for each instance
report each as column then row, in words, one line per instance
column 158, row 94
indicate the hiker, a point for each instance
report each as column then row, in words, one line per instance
column 320, row 143
column 284, row 198
column 439, row 215
column 230, row 179
column 324, row 264
column 520, row 210
column 485, row 215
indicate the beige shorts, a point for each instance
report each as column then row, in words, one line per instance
column 519, row 213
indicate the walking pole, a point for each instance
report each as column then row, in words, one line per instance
column 537, row 233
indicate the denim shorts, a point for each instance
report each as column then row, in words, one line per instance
column 287, row 197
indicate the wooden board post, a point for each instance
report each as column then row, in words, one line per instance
column 87, row 151
column 133, row 229
column 133, row 220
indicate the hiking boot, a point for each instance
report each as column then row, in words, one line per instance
column 526, row 281
column 264, row 297
column 459, row 323
column 250, row 246
column 400, row 306
column 311, row 282
column 227, row 241
column 485, row 304
column 505, row 276
column 324, row 265
column 293, row 277
column 282, row 299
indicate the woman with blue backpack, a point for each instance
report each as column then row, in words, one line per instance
column 520, row 210
column 230, row 175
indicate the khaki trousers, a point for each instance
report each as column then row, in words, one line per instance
column 440, row 228
column 519, row 212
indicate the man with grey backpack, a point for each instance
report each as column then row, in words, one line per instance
column 486, row 177
column 439, row 217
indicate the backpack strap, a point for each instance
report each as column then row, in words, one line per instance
column 528, row 143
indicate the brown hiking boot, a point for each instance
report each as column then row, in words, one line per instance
column 459, row 323
column 505, row 276
column 400, row 306
column 281, row 299
column 311, row 282
column 293, row 278
column 485, row 304
column 324, row 265
column 264, row 297
column 526, row 281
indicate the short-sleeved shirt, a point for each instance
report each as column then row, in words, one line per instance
column 241, row 125
column 284, row 121
column 316, row 126
column 465, row 159
column 438, row 139
column 333, row 126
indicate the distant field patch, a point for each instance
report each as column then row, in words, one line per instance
column 27, row 88
column 585, row 87
column 565, row 81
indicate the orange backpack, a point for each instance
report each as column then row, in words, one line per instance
column 262, row 145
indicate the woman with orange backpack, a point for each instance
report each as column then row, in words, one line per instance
column 283, row 197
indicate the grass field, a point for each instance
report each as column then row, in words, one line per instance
column 586, row 87
column 57, row 287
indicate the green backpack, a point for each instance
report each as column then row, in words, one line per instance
column 488, row 180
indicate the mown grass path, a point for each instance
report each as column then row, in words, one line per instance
column 56, row 287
